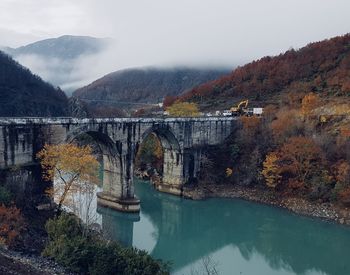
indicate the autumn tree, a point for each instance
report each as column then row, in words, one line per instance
column 300, row 159
column 150, row 154
column 229, row 172
column 341, row 171
column 310, row 102
column 271, row 170
column 73, row 169
column 169, row 100
column 11, row 224
column 287, row 124
column 183, row 109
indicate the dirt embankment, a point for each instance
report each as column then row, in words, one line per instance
column 326, row 211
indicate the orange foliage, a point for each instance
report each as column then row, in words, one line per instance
column 309, row 103
column 228, row 172
column 11, row 224
column 286, row 124
column 294, row 98
column 250, row 125
column 168, row 101
column 341, row 171
column 74, row 167
column 150, row 153
column 183, row 109
column 300, row 158
column 271, row 171
column 313, row 64
column 345, row 131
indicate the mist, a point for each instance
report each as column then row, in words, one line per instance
column 192, row 33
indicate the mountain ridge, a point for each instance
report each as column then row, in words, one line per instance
column 145, row 85
column 64, row 46
column 62, row 60
column 25, row 94
column 321, row 67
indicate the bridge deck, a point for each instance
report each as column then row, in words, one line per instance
column 72, row 120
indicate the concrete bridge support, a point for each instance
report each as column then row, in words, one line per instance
column 118, row 186
column 192, row 165
column 115, row 194
column 173, row 179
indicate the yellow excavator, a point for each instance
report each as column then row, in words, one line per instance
column 241, row 108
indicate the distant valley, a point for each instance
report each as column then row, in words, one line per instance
column 134, row 88
column 62, row 63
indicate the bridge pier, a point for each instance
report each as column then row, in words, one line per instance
column 131, row 205
column 173, row 179
column 192, row 165
column 118, row 191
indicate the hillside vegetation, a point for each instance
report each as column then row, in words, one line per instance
column 25, row 94
column 322, row 67
column 300, row 147
column 122, row 89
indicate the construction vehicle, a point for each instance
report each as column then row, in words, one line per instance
column 241, row 108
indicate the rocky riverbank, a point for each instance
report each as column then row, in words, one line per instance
column 15, row 263
column 327, row 211
column 24, row 257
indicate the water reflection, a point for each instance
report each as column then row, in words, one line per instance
column 243, row 237
column 118, row 226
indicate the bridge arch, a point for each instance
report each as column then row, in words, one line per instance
column 109, row 156
column 172, row 178
column 117, row 191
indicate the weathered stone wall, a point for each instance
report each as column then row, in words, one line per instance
column 181, row 138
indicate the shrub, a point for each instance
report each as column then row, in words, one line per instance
column 92, row 255
column 139, row 262
column 108, row 260
column 75, row 253
column 63, row 225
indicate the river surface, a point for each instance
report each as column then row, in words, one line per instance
column 236, row 236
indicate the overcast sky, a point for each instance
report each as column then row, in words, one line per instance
column 200, row 32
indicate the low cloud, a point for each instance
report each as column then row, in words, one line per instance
column 70, row 74
column 170, row 33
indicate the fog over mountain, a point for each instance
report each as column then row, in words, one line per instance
column 65, row 61
column 173, row 33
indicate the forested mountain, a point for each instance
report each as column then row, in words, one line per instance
column 25, row 94
column 322, row 67
column 143, row 85
column 61, row 61
column 64, row 47
column 300, row 146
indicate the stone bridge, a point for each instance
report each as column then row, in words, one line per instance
column 182, row 140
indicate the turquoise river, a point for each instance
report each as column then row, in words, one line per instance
column 236, row 236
